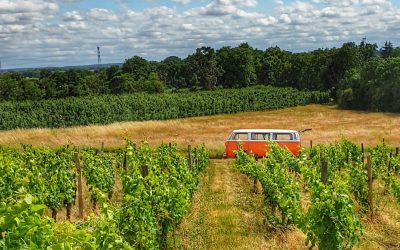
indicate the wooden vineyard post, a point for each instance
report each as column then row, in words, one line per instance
column 324, row 170
column 124, row 165
column 397, row 151
column 170, row 145
column 369, row 172
column 196, row 160
column 383, row 141
column 69, row 207
column 310, row 143
column 190, row 156
column 144, row 171
column 362, row 153
column 54, row 214
column 102, row 146
column 80, row 198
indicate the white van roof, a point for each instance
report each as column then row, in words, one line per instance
column 264, row 131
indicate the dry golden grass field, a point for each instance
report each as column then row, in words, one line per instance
column 328, row 123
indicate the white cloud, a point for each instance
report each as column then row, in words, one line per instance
column 36, row 32
column 181, row 1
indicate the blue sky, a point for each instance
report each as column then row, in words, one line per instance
column 40, row 33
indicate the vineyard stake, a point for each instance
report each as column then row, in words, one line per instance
column 54, row 214
column 196, row 162
column 80, row 198
column 362, row 152
column 310, row 143
column 124, row 166
column 369, row 172
column 383, row 141
column 190, row 156
column 144, row 170
column 324, row 170
column 397, row 151
column 69, row 207
column 102, row 146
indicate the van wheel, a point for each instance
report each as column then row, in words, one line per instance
column 256, row 157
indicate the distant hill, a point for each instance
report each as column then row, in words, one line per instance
column 93, row 66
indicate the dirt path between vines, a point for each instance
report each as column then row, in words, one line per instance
column 226, row 214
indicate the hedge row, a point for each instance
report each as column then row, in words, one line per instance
column 138, row 107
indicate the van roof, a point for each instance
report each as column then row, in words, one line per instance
column 264, row 131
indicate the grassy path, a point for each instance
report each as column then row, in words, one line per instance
column 226, row 214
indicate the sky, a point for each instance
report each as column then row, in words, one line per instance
column 43, row 33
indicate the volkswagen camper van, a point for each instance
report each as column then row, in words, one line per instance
column 254, row 141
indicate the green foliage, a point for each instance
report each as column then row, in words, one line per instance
column 374, row 86
column 23, row 226
column 238, row 66
column 137, row 67
column 106, row 230
column 380, row 156
column 51, row 175
column 12, row 177
column 202, row 68
column 331, row 222
column 357, row 182
column 281, row 190
column 138, row 107
column 99, row 173
column 152, row 205
column 396, row 188
column 157, row 202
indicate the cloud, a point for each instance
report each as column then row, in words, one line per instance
column 38, row 33
column 181, row 1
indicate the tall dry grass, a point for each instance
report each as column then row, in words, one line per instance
column 328, row 123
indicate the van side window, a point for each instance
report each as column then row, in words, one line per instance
column 283, row 137
column 260, row 136
column 240, row 137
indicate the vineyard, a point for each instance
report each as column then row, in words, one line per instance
column 139, row 107
column 157, row 183
column 330, row 193
column 326, row 190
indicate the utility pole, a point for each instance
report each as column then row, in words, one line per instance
column 98, row 57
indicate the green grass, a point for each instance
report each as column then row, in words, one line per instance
column 227, row 214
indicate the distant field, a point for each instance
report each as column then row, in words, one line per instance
column 328, row 123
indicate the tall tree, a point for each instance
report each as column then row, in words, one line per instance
column 170, row 71
column 275, row 63
column 238, row 66
column 137, row 67
column 343, row 59
column 387, row 50
column 202, row 68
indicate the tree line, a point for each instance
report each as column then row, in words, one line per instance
column 327, row 69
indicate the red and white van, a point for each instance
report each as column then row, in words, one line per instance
column 254, row 141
